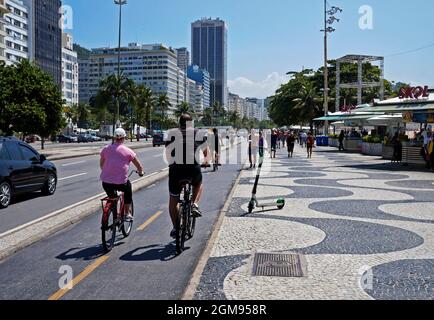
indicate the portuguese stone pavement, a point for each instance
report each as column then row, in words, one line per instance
column 364, row 227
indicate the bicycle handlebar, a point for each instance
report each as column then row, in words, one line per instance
column 135, row 171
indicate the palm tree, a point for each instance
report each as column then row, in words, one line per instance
column 184, row 108
column 145, row 105
column 307, row 104
column 80, row 113
column 114, row 91
column 234, row 118
column 163, row 105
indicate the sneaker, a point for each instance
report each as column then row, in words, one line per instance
column 195, row 210
column 173, row 233
column 129, row 218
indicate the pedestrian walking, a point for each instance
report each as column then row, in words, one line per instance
column 341, row 141
column 274, row 141
column 290, row 141
column 253, row 149
column 310, row 142
column 397, row 148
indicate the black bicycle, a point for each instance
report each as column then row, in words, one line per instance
column 185, row 222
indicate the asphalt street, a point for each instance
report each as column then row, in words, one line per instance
column 78, row 180
column 141, row 267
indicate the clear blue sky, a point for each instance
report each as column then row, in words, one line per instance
column 267, row 38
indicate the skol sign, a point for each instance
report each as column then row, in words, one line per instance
column 414, row 93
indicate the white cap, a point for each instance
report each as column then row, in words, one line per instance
column 120, row 133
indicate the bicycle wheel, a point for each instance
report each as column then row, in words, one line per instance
column 128, row 226
column 181, row 230
column 108, row 230
column 191, row 225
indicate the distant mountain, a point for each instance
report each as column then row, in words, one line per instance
column 82, row 52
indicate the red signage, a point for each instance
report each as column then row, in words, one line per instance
column 414, row 93
column 348, row 109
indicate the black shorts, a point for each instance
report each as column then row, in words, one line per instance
column 179, row 173
column 127, row 189
column 291, row 147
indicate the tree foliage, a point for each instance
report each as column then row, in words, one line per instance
column 30, row 102
column 301, row 99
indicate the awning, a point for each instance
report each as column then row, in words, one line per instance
column 412, row 107
column 344, row 117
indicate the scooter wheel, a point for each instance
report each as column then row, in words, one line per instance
column 251, row 207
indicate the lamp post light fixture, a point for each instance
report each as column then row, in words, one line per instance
column 329, row 19
column 116, row 117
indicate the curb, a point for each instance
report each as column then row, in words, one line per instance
column 19, row 238
column 93, row 153
column 190, row 290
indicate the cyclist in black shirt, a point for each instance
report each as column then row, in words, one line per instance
column 183, row 147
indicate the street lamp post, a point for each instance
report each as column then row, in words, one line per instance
column 116, row 118
column 329, row 19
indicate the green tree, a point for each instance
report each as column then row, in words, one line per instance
column 184, row 108
column 164, row 105
column 145, row 106
column 30, row 102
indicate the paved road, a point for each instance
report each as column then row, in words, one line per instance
column 141, row 267
column 78, row 180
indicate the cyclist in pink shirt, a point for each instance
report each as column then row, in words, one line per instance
column 115, row 163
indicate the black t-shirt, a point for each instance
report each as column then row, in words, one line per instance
column 190, row 142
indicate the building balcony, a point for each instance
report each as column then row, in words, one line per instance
column 3, row 8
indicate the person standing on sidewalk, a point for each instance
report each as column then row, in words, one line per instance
column 310, row 142
column 274, row 141
column 341, row 141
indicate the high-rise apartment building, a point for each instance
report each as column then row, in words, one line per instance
column 238, row 104
column 201, row 77
column 152, row 65
column 183, row 56
column 16, row 28
column 209, row 52
column 45, row 38
column 3, row 10
column 69, row 70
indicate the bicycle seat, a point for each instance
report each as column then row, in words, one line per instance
column 185, row 182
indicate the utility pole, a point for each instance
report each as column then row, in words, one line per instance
column 329, row 19
column 116, row 117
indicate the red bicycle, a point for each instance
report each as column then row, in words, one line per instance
column 113, row 219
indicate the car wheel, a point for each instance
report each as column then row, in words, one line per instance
column 50, row 185
column 5, row 194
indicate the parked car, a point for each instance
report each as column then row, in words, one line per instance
column 94, row 138
column 84, row 138
column 158, row 139
column 33, row 138
column 74, row 137
column 65, row 139
column 23, row 170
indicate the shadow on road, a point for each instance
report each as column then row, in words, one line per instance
column 86, row 254
column 152, row 253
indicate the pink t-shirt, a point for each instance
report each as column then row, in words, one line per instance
column 117, row 162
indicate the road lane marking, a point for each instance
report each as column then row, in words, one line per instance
column 53, row 214
column 59, row 294
column 74, row 176
column 72, row 163
column 149, row 221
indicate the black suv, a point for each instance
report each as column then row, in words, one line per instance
column 22, row 169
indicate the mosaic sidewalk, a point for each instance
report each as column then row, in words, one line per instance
column 363, row 226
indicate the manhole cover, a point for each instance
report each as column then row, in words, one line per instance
column 278, row 265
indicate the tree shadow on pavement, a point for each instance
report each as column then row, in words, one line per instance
column 152, row 253
column 388, row 167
